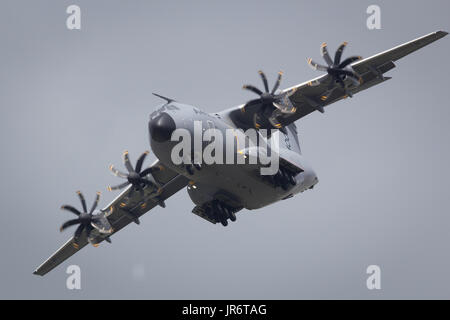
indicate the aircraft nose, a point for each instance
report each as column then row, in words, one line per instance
column 161, row 127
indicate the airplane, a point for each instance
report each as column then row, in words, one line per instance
column 219, row 191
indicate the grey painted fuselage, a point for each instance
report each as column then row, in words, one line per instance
column 240, row 185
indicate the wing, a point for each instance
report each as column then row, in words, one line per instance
column 309, row 96
column 121, row 211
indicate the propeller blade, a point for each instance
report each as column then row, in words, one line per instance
column 341, row 82
column 325, row 54
column 328, row 93
column 277, row 84
column 117, row 172
column 126, row 161
column 348, row 61
column 88, row 228
column 118, row 187
column 69, row 224
column 281, row 107
column 83, row 201
column 150, row 170
column 249, row 104
column 95, row 204
column 71, row 209
column 352, row 76
column 140, row 161
column 331, row 83
column 253, row 89
column 316, row 66
column 78, row 232
column 284, row 104
column 264, row 79
column 315, row 83
column 107, row 239
column 338, row 55
column 291, row 92
column 148, row 183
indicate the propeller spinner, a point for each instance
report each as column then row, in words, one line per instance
column 87, row 220
column 273, row 105
column 135, row 176
column 337, row 70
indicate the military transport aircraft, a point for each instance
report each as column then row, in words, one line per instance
column 220, row 191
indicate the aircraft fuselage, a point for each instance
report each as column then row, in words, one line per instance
column 240, row 185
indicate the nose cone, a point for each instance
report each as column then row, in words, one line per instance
column 161, row 127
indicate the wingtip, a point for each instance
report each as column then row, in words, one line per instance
column 440, row 34
column 39, row 272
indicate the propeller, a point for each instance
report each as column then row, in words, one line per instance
column 87, row 220
column 135, row 176
column 337, row 70
column 273, row 105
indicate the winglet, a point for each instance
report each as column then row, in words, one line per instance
column 169, row 100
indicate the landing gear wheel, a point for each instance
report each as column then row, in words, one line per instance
column 232, row 215
column 292, row 180
column 229, row 214
column 222, row 213
column 278, row 178
column 285, row 176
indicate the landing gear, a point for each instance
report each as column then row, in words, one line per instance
column 221, row 212
column 232, row 216
column 283, row 178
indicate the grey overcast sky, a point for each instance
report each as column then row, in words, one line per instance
column 72, row 101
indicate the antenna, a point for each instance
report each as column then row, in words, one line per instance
column 169, row 100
